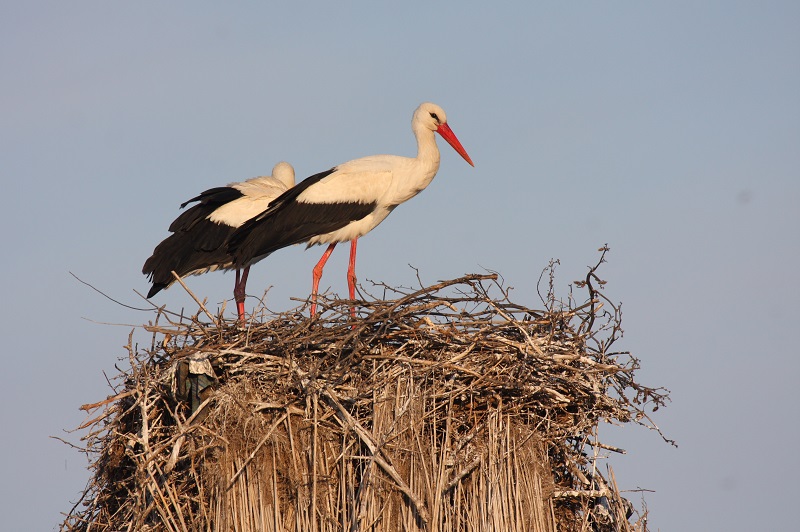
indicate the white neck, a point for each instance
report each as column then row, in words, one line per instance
column 427, row 154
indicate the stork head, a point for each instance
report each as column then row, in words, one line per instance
column 284, row 172
column 432, row 117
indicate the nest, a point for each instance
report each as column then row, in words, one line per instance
column 444, row 408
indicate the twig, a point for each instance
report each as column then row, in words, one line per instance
column 199, row 303
column 92, row 406
column 461, row 475
column 256, row 449
column 109, row 297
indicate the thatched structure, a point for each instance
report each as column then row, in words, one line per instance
column 447, row 408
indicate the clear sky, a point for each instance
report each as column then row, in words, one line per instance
column 670, row 131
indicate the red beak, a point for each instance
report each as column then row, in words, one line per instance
column 448, row 135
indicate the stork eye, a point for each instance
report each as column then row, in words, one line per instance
column 433, row 115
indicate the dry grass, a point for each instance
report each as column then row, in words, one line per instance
column 447, row 408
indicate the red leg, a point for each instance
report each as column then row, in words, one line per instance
column 351, row 274
column 239, row 292
column 317, row 275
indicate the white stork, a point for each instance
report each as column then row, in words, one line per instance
column 197, row 242
column 347, row 201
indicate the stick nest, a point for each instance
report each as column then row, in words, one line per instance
column 448, row 407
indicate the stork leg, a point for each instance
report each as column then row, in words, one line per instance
column 239, row 292
column 351, row 274
column 317, row 275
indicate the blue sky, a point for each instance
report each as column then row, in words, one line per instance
column 669, row 131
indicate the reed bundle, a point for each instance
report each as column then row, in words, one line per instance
column 446, row 408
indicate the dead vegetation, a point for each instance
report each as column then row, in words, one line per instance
column 446, row 408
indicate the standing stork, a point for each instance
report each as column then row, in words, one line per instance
column 197, row 242
column 347, row 201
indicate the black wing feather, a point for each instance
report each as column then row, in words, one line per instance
column 196, row 243
column 287, row 222
column 208, row 202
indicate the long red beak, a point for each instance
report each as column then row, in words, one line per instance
column 448, row 135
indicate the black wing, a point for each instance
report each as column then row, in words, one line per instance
column 287, row 222
column 208, row 202
column 196, row 243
